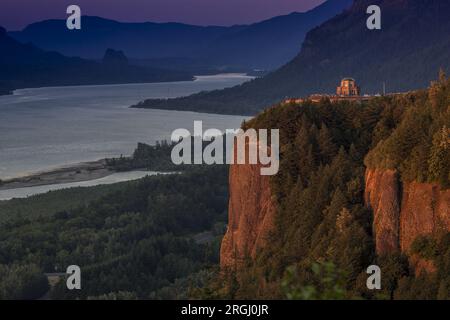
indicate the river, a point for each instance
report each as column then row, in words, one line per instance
column 46, row 128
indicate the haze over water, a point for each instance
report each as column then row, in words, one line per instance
column 46, row 128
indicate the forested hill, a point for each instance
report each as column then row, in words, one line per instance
column 406, row 53
column 326, row 229
column 147, row 239
column 154, row 238
column 25, row 66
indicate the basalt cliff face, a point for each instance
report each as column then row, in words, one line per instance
column 334, row 206
column 251, row 215
column 425, row 210
column 402, row 212
column 382, row 194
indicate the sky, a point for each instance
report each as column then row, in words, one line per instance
column 16, row 14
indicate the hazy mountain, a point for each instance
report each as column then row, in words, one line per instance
column 267, row 44
column 114, row 57
column 24, row 65
column 146, row 40
column 271, row 43
column 406, row 53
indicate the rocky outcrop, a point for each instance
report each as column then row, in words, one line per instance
column 404, row 212
column 251, row 214
column 425, row 210
column 382, row 194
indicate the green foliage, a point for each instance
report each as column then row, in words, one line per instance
column 325, row 282
column 419, row 146
column 319, row 189
column 155, row 158
column 120, row 295
column 22, row 282
column 399, row 283
column 425, row 247
column 53, row 202
column 137, row 239
column 394, row 267
column 439, row 160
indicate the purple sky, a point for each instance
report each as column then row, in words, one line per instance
column 15, row 14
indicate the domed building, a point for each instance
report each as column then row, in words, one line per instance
column 347, row 91
column 348, row 88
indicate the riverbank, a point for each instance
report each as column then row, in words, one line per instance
column 199, row 102
column 79, row 172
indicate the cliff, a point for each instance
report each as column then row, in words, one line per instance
column 323, row 191
column 404, row 212
column 383, row 196
column 401, row 213
column 425, row 210
column 250, row 215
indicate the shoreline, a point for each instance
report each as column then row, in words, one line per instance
column 191, row 79
column 78, row 172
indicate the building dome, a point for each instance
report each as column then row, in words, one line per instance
column 348, row 88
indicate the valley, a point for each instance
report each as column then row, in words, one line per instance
column 101, row 171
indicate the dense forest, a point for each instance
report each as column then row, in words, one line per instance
column 156, row 158
column 159, row 237
column 152, row 238
column 52, row 202
column 323, row 239
column 419, row 147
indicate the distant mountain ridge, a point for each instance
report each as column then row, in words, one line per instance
column 24, row 66
column 273, row 42
column 406, row 54
column 138, row 40
column 267, row 44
